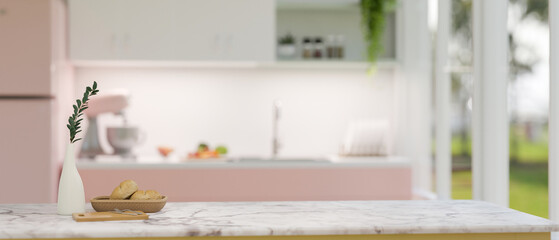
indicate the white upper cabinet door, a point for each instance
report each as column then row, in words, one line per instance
column 148, row 30
column 227, row 30
column 173, row 30
column 95, row 29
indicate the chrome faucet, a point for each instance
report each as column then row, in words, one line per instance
column 276, row 145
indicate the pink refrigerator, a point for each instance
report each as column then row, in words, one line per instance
column 36, row 93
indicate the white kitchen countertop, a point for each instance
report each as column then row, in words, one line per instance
column 279, row 218
column 156, row 162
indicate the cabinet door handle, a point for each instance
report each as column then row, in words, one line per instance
column 229, row 42
column 216, row 43
column 125, row 41
column 113, row 43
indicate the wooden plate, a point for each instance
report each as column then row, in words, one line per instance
column 108, row 216
column 104, row 204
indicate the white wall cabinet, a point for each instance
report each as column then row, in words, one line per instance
column 172, row 30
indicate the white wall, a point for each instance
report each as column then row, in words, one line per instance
column 181, row 107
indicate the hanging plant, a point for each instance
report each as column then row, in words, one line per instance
column 372, row 20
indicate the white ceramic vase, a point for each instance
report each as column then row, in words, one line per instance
column 71, row 196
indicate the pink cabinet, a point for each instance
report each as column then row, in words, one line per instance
column 36, row 91
column 257, row 183
column 27, row 172
column 26, row 47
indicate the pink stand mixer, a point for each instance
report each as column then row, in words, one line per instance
column 121, row 138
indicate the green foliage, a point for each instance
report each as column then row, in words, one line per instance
column 287, row 39
column 75, row 119
column 528, row 187
column 536, row 8
column 462, row 184
column 525, row 151
column 372, row 20
column 462, row 30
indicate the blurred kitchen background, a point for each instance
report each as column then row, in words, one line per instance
column 225, row 94
column 269, row 80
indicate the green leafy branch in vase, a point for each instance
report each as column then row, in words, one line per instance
column 81, row 105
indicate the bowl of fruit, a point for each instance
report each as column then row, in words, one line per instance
column 205, row 153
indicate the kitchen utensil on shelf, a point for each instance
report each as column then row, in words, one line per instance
column 116, row 215
column 103, row 204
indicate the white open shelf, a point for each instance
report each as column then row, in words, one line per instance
column 325, row 64
column 319, row 65
column 317, row 4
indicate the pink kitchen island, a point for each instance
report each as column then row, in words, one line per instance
column 378, row 178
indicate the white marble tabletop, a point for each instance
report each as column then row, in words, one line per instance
column 278, row 218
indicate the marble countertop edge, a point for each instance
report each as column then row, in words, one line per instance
column 164, row 232
column 280, row 219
